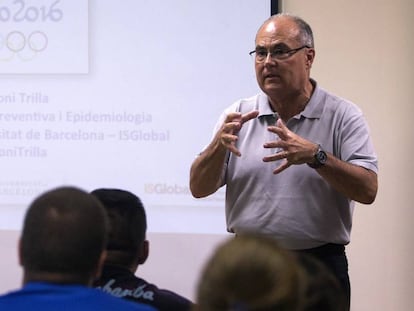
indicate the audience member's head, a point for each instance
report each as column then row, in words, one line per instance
column 323, row 291
column 127, row 244
column 250, row 273
column 63, row 238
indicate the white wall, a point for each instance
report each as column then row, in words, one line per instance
column 363, row 52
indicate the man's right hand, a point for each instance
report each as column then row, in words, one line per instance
column 230, row 128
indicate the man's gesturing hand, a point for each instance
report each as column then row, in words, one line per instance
column 231, row 126
column 293, row 148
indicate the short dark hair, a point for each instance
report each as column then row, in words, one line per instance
column 127, row 222
column 64, row 231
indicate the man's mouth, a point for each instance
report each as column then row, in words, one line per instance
column 271, row 76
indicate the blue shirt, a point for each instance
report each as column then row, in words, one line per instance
column 47, row 296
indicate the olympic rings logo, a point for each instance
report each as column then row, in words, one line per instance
column 16, row 43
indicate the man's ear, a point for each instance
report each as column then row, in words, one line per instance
column 143, row 252
column 310, row 57
column 101, row 262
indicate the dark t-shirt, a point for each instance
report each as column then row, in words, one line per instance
column 121, row 282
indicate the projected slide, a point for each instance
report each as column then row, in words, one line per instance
column 122, row 94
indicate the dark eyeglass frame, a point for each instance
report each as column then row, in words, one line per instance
column 276, row 54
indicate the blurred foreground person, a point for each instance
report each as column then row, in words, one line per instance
column 61, row 250
column 251, row 273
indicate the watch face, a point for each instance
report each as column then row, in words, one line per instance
column 320, row 159
column 321, row 156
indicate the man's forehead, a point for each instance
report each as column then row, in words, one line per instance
column 281, row 30
column 269, row 27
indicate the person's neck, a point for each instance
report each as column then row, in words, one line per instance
column 122, row 259
column 133, row 267
column 291, row 104
column 56, row 278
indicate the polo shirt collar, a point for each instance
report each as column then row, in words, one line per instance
column 313, row 109
column 264, row 106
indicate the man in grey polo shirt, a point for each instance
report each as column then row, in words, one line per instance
column 294, row 159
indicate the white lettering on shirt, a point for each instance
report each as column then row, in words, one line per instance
column 138, row 292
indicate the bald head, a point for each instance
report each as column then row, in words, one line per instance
column 295, row 26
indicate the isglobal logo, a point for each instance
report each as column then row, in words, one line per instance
column 36, row 36
column 164, row 188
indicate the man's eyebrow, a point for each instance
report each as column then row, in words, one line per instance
column 276, row 46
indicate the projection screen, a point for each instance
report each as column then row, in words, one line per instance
column 120, row 94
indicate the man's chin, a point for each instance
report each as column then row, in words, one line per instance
column 271, row 87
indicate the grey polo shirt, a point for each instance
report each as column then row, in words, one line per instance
column 296, row 206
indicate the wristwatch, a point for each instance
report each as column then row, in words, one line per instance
column 320, row 158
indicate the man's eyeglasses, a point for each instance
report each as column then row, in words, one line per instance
column 276, row 54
